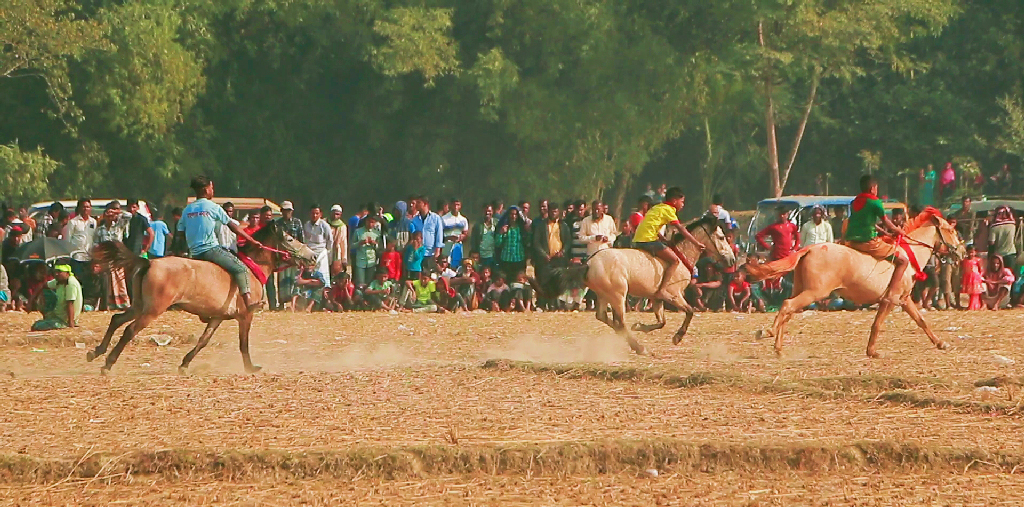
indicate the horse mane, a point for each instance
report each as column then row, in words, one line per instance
column 923, row 218
column 706, row 219
column 265, row 235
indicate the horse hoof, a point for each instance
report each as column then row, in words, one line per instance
column 183, row 370
column 253, row 369
column 677, row 338
column 874, row 355
column 758, row 334
column 89, row 356
column 635, row 326
column 104, row 371
column 942, row 346
column 778, row 352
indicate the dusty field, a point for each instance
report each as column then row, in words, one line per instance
column 382, row 409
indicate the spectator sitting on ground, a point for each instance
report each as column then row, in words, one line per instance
column 522, row 294
column 309, row 285
column 497, row 297
column 739, row 294
column 483, row 282
column 427, row 300
column 465, row 282
column 61, row 303
column 341, row 297
column 378, row 295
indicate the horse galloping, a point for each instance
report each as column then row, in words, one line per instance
column 614, row 273
column 821, row 269
column 197, row 287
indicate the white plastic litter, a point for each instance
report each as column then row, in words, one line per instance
column 161, row 339
column 79, row 345
column 652, row 472
column 1002, row 359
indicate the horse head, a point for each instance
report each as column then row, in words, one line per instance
column 944, row 240
column 708, row 230
column 274, row 236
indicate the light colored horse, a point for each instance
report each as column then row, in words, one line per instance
column 615, row 272
column 197, row 287
column 820, row 269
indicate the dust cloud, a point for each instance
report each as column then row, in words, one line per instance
column 595, row 349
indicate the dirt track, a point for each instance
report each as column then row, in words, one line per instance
column 337, row 382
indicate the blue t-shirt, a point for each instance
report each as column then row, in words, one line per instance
column 160, row 232
column 414, row 258
column 199, row 223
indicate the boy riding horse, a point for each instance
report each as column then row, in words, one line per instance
column 862, row 235
column 199, row 224
column 648, row 236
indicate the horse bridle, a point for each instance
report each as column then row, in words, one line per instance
column 942, row 240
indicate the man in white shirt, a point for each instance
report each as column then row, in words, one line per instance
column 598, row 230
column 225, row 237
column 455, row 227
column 80, row 231
column 817, row 229
column 718, row 210
column 319, row 239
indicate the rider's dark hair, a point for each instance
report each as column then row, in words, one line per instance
column 199, row 183
column 673, row 193
column 866, row 182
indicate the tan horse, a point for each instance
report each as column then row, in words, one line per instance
column 615, row 272
column 197, row 287
column 820, row 269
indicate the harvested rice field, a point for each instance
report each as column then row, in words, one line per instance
column 541, row 409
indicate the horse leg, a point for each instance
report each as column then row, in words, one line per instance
column 789, row 308
column 619, row 324
column 911, row 309
column 602, row 311
column 129, row 333
column 680, row 302
column 118, row 320
column 880, row 318
column 244, row 323
column 659, row 315
column 211, row 327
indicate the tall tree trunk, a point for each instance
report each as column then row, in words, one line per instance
column 769, row 124
column 619, row 197
column 800, row 129
column 707, row 173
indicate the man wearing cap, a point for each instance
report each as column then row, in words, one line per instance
column 339, row 247
column 61, row 302
column 817, row 229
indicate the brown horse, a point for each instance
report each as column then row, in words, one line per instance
column 820, row 269
column 197, row 287
column 615, row 272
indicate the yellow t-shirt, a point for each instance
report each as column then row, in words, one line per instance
column 657, row 217
column 554, row 237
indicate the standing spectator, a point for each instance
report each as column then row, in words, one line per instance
column 660, row 194
column 642, row 205
column 318, row 238
column 270, row 288
column 51, row 217
column 524, row 212
column 5, row 289
column 368, row 240
column 1002, row 182
column 158, row 247
column 14, row 267
column 551, row 237
column 292, row 226
column 65, row 301
column 353, row 224
column 598, row 230
column 1001, row 236
column 579, row 246
column 455, row 229
column 139, row 235
column 112, row 228
column 29, row 222
column 947, row 180
column 225, row 237
column 401, row 226
column 838, row 223
column 391, row 261
column 649, row 193
column 965, row 219
column 510, row 245
column 816, row 230
column 11, row 220
column 927, row 177
column 433, row 233
column 783, row 233
column 339, row 245
column 718, row 210
column 973, row 283
column 481, row 238
column 80, row 232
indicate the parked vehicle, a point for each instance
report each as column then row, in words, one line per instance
column 800, row 208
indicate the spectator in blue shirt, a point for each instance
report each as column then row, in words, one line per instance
column 158, row 247
column 433, row 232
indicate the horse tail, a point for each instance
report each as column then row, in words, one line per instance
column 114, row 255
column 773, row 269
column 563, row 279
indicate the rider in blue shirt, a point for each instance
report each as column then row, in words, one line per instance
column 199, row 222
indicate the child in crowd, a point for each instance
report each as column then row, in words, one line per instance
column 496, row 298
column 391, row 260
column 378, row 294
column 450, row 299
column 342, row 295
column 465, row 282
column 972, row 279
column 522, row 294
column 426, row 299
column 310, row 285
column 739, row 293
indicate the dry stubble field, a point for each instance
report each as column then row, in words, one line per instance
column 544, row 409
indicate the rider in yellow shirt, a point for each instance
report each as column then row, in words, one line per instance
column 648, row 236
